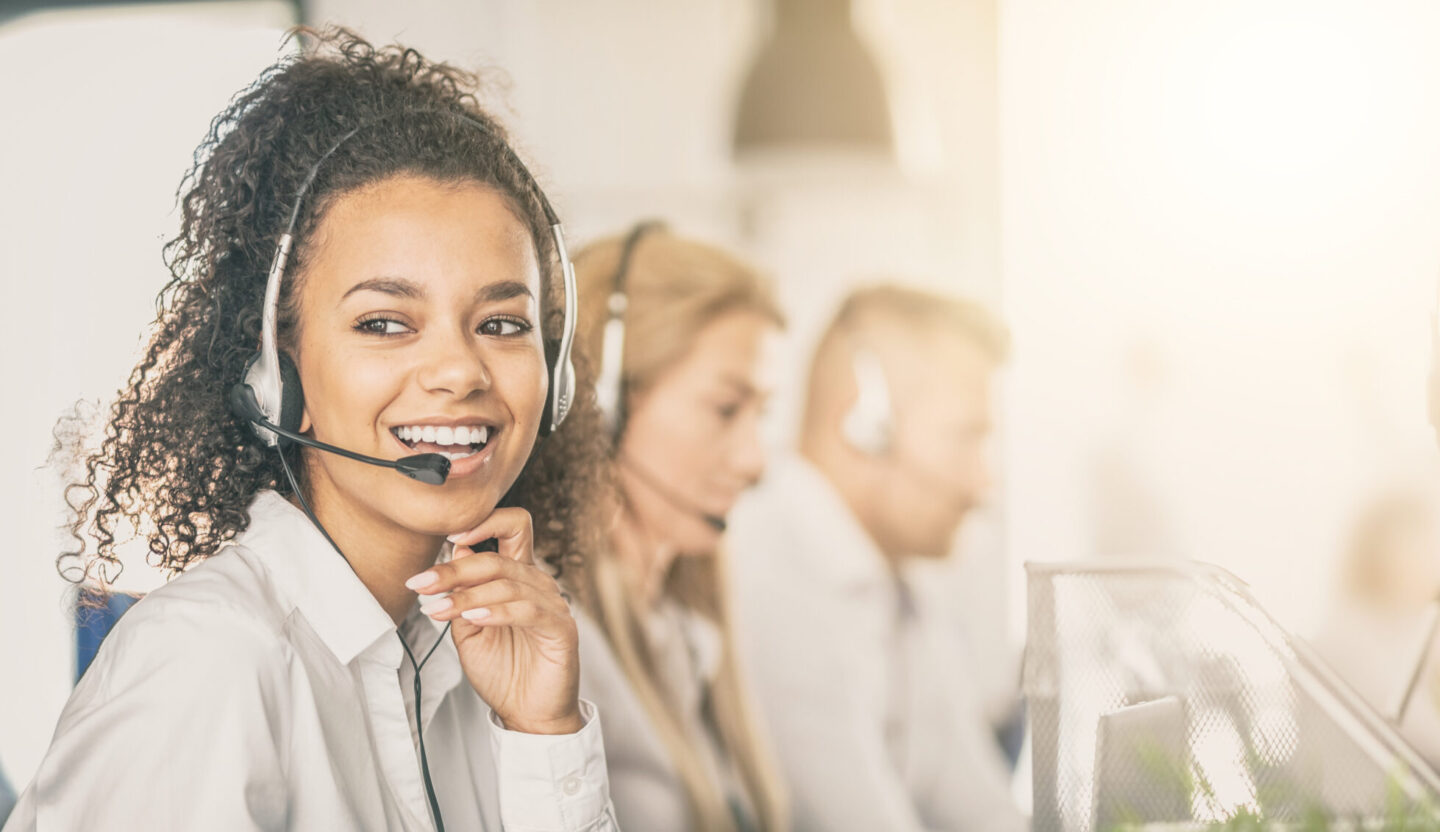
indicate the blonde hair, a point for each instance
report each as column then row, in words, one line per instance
column 674, row 287
column 923, row 312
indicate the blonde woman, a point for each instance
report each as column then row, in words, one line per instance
column 678, row 329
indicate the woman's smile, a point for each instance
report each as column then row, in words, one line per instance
column 467, row 443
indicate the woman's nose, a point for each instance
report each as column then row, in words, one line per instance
column 747, row 454
column 455, row 365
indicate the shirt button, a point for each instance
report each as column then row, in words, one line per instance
column 571, row 786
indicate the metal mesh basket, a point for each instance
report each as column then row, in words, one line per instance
column 1163, row 697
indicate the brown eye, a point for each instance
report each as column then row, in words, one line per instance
column 504, row 327
column 380, row 326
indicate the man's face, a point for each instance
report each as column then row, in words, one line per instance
column 937, row 470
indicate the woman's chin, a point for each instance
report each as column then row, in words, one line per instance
column 700, row 542
column 443, row 518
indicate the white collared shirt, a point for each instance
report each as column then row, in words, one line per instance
column 873, row 719
column 266, row 689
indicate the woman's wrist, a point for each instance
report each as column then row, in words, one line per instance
column 568, row 724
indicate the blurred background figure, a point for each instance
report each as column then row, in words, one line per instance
column 678, row 328
column 1390, row 579
column 877, row 721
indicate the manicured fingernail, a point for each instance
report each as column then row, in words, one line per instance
column 454, row 538
column 477, row 614
column 438, row 605
column 422, row 580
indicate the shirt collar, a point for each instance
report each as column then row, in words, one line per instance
column 316, row 579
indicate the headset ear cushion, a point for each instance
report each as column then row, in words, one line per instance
column 547, row 418
column 292, row 395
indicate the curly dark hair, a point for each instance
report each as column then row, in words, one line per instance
column 175, row 466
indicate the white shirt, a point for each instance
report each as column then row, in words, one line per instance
column 266, row 689
column 875, row 723
column 687, row 649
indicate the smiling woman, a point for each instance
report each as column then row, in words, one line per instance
column 278, row 678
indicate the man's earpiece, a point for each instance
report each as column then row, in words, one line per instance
column 869, row 425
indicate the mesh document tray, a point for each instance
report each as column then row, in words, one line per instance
column 1161, row 696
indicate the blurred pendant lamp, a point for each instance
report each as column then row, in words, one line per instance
column 813, row 85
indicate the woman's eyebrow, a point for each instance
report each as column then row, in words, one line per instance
column 400, row 287
column 740, row 384
column 397, row 286
column 502, row 290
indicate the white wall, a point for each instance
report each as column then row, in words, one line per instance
column 1252, row 188
column 102, row 113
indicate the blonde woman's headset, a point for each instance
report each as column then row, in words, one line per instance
column 610, row 385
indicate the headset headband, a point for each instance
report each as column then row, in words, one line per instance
column 265, row 376
column 610, row 386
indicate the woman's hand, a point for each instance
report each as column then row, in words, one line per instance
column 517, row 641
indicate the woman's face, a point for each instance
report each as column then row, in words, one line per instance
column 419, row 332
column 692, row 438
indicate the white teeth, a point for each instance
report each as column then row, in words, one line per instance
column 445, row 435
column 453, row 457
